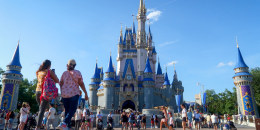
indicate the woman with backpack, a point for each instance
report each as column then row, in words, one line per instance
column 69, row 86
column 41, row 74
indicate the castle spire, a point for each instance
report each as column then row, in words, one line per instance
column 16, row 57
column 240, row 61
column 134, row 24
column 121, row 35
column 110, row 65
column 166, row 79
column 159, row 69
column 148, row 66
column 96, row 72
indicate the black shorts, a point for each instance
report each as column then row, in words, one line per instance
column 171, row 125
column 215, row 124
column 184, row 119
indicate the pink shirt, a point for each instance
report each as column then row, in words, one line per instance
column 69, row 87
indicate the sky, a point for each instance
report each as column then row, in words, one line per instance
column 198, row 35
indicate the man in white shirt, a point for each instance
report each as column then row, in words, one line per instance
column 110, row 118
column 51, row 116
column 78, row 118
column 214, row 120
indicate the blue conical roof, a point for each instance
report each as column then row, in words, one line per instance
column 96, row 73
column 133, row 27
column 166, row 80
column 159, row 69
column 16, row 58
column 240, row 60
column 110, row 66
column 150, row 33
column 148, row 66
column 120, row 40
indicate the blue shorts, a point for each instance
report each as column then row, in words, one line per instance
column 131, row 121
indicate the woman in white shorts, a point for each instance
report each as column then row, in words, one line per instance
column 24, row 111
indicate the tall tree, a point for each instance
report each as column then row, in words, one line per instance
column 27, row 94
column 256, row 85
column 1, row 72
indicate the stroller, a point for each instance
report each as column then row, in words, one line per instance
column 100, row 125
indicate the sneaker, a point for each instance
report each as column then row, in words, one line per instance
column 63, row 126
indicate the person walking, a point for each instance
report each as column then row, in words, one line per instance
column 51, row 116
column 156, row 120
column 78, row 118
column 92, row 118
column 11, row 119
column 171, row 122
column 152, row 122
column 164, row 119
column 24, row 111
column 41, row 73
column 144, row 121
column 184, row 116
column 131, row 120
column 69, row 86
column 214, row 120
column 124, row 120
column 45, row 118
column 189, row 115
column 197, row 117
column 7, row 116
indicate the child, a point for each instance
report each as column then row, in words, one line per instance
column 152, row 122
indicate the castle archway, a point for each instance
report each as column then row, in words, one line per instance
column 128, row 104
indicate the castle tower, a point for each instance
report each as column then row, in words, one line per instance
column 93, row 86
column 108, row 84
column 177, row 87
column 11, row 80
column 148, row 84
column 159, row 76
column 242, row 80
column 141, row 39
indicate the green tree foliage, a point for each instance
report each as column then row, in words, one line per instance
column 27, row 94
column 256, row 85
column 1, row 72
column 222, row 103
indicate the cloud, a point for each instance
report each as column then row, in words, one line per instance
column 168, row 43
column 222, row 64
column 172, row 63
column 153, row 15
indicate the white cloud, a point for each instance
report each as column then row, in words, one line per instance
column 172, row 63
column 222, row 64
column 167, row 43
column 153, row 15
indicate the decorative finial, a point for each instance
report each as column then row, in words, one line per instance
column 110, row 52
column 133, row 18
column 96, row 60
column 174, row 66
column 158, row 59
column 237, row 42
column 166, row 68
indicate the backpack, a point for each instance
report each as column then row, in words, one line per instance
column 49, row 89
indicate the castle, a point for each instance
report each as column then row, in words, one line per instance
column 242, row 80
column 135, row 83
column 11, row 79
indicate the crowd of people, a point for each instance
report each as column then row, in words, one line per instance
column 83, row 118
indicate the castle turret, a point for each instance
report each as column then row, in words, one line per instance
column 148, row 84
column 166, row 83
column 93, row 86
column 242, row 80
column 108, row 84
column 141, row 39
column 11, row 80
